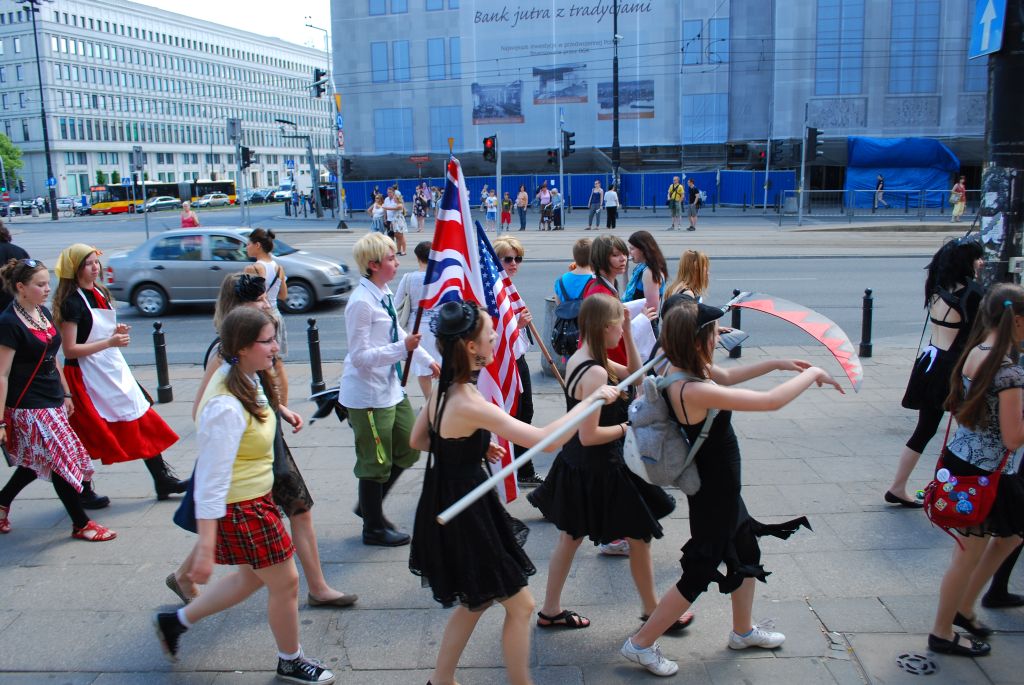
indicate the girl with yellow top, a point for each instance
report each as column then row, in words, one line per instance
column 237, row 520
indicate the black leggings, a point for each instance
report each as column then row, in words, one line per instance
column 67, row 494
column 928, row 420
column 524, row 412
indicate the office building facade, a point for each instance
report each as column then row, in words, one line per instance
column 118, row 75
column 694, row 76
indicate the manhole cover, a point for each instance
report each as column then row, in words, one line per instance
column 916, row 664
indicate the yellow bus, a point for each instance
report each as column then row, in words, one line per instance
column 120, row 199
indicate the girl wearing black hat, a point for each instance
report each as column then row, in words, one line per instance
column 477, row 558
column 721, row 530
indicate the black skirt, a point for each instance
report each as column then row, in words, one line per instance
column 928, row 386
column 1007, row 515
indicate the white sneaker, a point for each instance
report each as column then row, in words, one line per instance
column 649, row 658
column 617, row 548
column 760, row 636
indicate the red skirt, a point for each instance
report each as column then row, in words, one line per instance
column 113, row 442
column 252, row 533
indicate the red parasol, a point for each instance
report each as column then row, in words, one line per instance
column 822, row 328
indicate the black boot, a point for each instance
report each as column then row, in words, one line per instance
column 375, row 531
column 164, row 481
column 90, row 500
column 395, row 473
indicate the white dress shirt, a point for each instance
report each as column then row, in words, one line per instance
column 611, row 198
column 370, row 380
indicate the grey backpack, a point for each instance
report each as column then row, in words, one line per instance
column 656, row 447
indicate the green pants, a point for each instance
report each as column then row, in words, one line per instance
column 382, row 440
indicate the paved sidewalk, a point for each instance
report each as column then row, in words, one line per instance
column 851, row 596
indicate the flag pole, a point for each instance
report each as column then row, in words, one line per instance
column 419, row 309
column 479, row 491
column 547, row 355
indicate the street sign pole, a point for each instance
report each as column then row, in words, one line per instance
column 139, row 165
column 497, row 170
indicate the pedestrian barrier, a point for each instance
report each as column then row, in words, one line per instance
column 316, row 381
column 164, row 392
column 865, row 326
column 736, row 352
column 920, row 203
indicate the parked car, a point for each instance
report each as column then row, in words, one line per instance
column 282, row 196
column 66, row 203
column 155, row 204
column 213, row 200
column 188, row 265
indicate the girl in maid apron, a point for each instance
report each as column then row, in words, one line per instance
column 112, row 415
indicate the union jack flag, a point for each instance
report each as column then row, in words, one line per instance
column 463, row 266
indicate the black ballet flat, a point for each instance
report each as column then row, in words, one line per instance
column 972, row 626
column 1002, row 601
column 909, row 504
column 954, row 648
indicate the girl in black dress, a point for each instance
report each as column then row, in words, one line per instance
column 589, row 492
column 477, row 558
column 721, row 530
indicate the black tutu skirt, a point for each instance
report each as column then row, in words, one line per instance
column 476, row 558
column 1007, row 515
column 928, row 386
column 603, row 502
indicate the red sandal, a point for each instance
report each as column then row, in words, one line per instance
column 93, row 532
column 5, row 523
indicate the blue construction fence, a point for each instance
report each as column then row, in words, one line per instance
column 727, row 187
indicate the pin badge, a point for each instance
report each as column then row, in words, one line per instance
column 942, row 475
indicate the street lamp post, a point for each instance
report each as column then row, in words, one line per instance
column 315, row 190
column 32, row 7
column 337, row 146
column 615, row 94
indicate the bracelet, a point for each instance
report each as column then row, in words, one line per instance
column 3, row 424
column 623, row 427
column 67, row 396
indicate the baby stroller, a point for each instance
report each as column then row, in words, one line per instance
column 547, row 216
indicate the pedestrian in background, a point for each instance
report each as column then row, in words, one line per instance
column 377, row 215
column 556, row 209
column 960, row 192
column 694, row 200
column 650, row 275
column 675, row 202
column 237, row 519
column 378, row 408
column 506, row 212
column 260, row 247
column 35, row 428
column 188, row 216
column 987, row 400
column 594, row 204
column 420, row 204
column 543, row 197
column 491, row 209
column 408, row 296
column 522, row 203
column 611, row 206
column 880, row 192
column 570, row 285
column 8, row 251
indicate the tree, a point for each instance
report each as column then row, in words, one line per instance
column 101, row 178
column 11, row 157
column 115, row 177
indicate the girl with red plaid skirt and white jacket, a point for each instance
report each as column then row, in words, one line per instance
column 237, row 519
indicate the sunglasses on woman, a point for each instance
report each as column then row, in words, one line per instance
column 518, row 259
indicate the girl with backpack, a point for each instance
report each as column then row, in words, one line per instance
column 721, row 529
column 589, row 492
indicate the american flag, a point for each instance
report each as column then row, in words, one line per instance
column 463, row 266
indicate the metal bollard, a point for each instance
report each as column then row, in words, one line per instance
column 164, row 393
column 737, row 351
column 316, row 381
column 865, row 326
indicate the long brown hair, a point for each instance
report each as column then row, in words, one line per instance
column 601, row 255
column 653, row 258
column 692, row 274
column 596, row 312
column 242, row 328
column 689, row 347
column 998, row 308
column 66, row 288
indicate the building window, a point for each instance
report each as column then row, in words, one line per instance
column 435, row 58
column 379, row 62
column 63, row 129
column 433, row 5
column 976, row 75
column 445, row 122
column 839, row 53
column 400, row 55
column 393, row 129
column 914, row 48
column 454, row 57
column 17, row 48
column 3, row 74
column 24, row 130
column 82, row 159
column 21, row 100
column 705, row 118
column 718, row 41
column 5, row 99
column 399, row 6
column 378, row 7
column 19, row 72
column 453, row 4
column 693, row 41
column 53, row 44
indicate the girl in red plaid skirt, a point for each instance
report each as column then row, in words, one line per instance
column 238, row 521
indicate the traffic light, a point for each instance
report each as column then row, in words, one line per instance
column 778, row 150
column 553, row 157
column 248, row 157
column 346, row 166
column 737, row 152
column 814, row 143
column 568, row 143
column 319, row 81
column 490, row 149
column 21, row 186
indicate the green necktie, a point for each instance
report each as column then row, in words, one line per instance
column 389, row 307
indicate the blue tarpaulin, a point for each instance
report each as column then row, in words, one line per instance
column 908, row 165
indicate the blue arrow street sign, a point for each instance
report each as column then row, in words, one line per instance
column 339, row 121
column 332, row 179
column 987, row 27
column 289, row 164
column 51, row 182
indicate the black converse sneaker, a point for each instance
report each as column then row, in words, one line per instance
column 168, row 630
column 303, row 670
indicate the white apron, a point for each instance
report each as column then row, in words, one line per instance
column 112, row 387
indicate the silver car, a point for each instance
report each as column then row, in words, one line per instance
column 188, row 265
column 213, row 200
